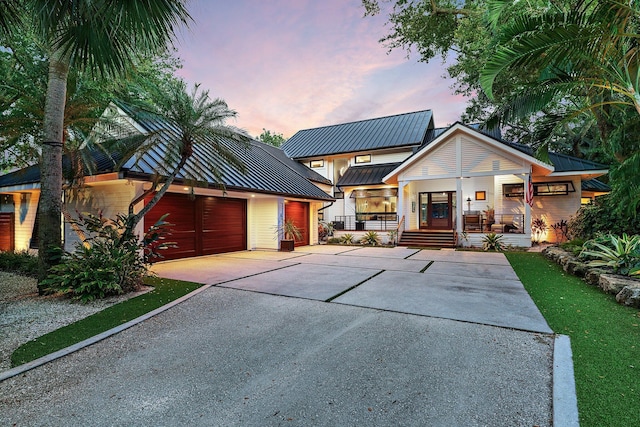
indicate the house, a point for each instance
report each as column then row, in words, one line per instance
column 206, row 218
column 442, row 186
column 435, row 186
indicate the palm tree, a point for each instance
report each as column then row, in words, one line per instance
column 586, row 59
column 9, row 15
column 103, row 36
column 194, row 119
column 590, row 50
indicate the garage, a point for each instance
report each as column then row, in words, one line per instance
column 7, row 231
column 203, row 225
column 298, row 212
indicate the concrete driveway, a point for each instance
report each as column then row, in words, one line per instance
column 325, row 336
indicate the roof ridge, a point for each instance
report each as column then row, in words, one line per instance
column 367, row 120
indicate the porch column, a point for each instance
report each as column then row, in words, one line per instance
column 459, row 205
column 400, row 208
column 527, row 208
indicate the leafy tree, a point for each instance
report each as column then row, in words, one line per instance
column 584, row 57
column 23, row 71
column 275, row 139
column 103, row 36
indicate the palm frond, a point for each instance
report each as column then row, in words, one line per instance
column 104, row 35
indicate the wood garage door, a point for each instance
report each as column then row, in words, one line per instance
column 299, row 213
column 202, row 226
column 7, row 231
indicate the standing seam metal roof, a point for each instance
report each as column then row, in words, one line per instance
column 372, row 134
column 366, row 175
column 265, row 171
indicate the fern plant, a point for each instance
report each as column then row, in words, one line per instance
column 493, row 242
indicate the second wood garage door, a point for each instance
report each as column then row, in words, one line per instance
column 299, row 213
column 202, row 226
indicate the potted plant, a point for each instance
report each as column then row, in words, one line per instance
column 290, row 231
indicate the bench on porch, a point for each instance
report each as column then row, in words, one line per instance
column 508, row 223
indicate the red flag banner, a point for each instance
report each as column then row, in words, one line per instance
column 528, row 194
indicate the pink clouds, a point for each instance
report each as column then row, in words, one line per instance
column 294, row 64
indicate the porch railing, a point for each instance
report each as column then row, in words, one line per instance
column 361, row 222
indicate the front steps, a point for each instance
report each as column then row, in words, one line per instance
column 428, row 239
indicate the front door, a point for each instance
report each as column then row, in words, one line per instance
column 436, row 210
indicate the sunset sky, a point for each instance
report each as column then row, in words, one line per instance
column 287, row 65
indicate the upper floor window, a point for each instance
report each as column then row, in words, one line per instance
column 316, row 163
column 364, row 158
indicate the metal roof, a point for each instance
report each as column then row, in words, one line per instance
column 366, row 175
column 102, row 163
column 266, row 171
column 373, row 134
column 561, row 162
column 595, row 185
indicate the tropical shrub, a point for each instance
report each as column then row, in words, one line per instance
column 21, row 262
column 392, row 235
column 371, row 238
column 347, row 239
column 108, row 262
column 622, row 254
column 493, row 242
column 601, row 217
column 538, row 227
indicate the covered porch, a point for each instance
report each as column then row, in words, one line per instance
column 470, row 184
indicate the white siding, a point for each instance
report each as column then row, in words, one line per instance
column 478, row 158
column 263, row 222
column 25, row 217
column 110, row 199
column 440, row 162
column 553, row 209
column 377, row 159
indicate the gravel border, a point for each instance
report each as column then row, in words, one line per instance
column 25, row 316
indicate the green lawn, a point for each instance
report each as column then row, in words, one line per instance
column 165, row 291
column 605, row 340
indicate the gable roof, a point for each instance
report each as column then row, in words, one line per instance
column 457, row 127
column 562, row 164
column 373, row 134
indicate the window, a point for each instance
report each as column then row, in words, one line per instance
column 553, row 188
column 338, row 194
column 376, row 205
column 316, row 163
column 365, row 158
column 539, row 189
column 513, row 190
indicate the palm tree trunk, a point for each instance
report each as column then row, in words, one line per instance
column 50, row 204
column 135, row 220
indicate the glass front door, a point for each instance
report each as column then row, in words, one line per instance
column 436, row 210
